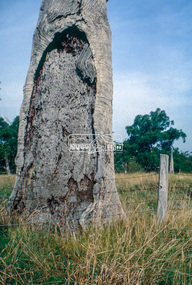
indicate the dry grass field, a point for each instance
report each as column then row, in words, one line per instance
column 134, row 251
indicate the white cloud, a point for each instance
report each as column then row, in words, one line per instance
column 137, row 93
column 11, row 99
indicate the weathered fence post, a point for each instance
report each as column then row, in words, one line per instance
column 163, row 188
column 171, row 169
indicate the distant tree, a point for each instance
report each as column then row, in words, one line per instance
column 8, row 145
column 149, row 135
column 182, row 161
column 153, row 130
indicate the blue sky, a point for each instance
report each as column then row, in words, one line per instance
column 152, row 59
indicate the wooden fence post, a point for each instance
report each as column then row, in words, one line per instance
column 163, row 188
column 171, row 169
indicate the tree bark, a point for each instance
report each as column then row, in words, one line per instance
column 68, row 102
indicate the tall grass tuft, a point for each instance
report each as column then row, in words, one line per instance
column 134, row 251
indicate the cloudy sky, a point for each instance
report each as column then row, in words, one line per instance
column 152, row 59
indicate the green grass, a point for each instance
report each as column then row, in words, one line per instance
column 134, row 251
column 6, row 186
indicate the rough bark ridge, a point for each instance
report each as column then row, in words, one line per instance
column 68, row 91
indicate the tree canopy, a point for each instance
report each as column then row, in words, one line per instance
column 153, row 130
column 149, row 135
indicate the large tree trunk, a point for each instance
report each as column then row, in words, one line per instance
column 68, row 92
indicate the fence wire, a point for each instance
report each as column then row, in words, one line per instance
column 109, row 192
column 90, row 218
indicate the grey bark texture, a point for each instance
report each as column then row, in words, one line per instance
column 163, row 188
column 68, row 91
